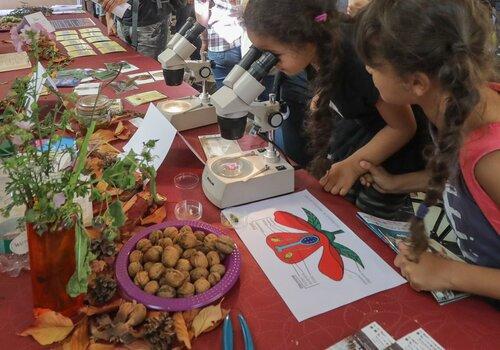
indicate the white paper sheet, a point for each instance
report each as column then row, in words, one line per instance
column 86, row 89
column 38, row 80
column 39, row 18
column 153, row 127
column 419, row 340
column 304, row 267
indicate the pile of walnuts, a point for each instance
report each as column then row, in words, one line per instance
column 179, row 262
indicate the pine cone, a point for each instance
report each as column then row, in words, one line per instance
column 101, row 290
column 102, row 248
column 159, row 331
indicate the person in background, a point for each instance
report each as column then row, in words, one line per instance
column 150, row 34
column 348, row 120
column 182, row 13
column 443, row 64
column 353, row 6
column 222, row 39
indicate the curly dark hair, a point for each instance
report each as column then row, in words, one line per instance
column 292, row 22
column 452, row 42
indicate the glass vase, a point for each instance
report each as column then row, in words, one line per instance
column 52, row 263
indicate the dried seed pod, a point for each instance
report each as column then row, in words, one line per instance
column 179, row 249
column 165, row 291
column 201, row 285
column 185, row 229
column 171, row 232
column 174, row 278
column 199, row 272
column 155, row 236
column 209, row 241
column 188, row 240
column 165, row 242
column 183, row 265
column 214, row 278
column 186, row 290
column 188, row 253
column 151, row 287
column 199, row 259
column 143, row 245
column 133, row 268
column 170, row 256
column 137, row 316
column 136, row 255
column 141, row 278
column 219, row 268
column 152, row 255
column 224, row 244
column 213, row 258
column 200, row 235
column 156, row 271
column 148, row 265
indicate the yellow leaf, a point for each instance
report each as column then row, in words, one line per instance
column 119, row 129
column 80, row 339
column 100, row 346
column 102, row 186
column 208, row 318
column 49, row 327
column 181, row 329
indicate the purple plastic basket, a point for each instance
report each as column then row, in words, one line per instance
column 131, row 291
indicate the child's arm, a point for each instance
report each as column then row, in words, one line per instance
column 401, row 127
column 433, row 272
column 486, row 173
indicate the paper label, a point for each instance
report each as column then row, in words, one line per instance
column 19, row 245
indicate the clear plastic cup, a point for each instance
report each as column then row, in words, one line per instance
column 188, row 210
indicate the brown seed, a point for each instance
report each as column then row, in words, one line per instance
column 165, row 242
column 136, row 255
column 188, row 240
column 201, row 285
column 187, row 276
column 188, row 253
column 224, row 244
column 141, row 278
column 219, row 268
column 133, row 268
column 152, row 255
column 148, row 265
column 151, row 287
column 210, row 240
column 165, row 291
column 170, row 256
column 185, row 229
column 170, row 232
column 143, row 245
column 156, row 271
column 213, row 258
column 186, row 290
column 199, row 259
column 198, row 273
column 179, row 249
column 200, row 235
column 174, row 278
column 155, row 236
column 183, row 265
column 214, row 278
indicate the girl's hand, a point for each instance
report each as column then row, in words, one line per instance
column 432, row 272
column 341, row 176
column 378, row 177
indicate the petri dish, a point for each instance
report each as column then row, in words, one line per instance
column 188, row 210
column 186, row 181
column 232, row 167
column 174, row 107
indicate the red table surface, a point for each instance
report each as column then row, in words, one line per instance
column 468, row 324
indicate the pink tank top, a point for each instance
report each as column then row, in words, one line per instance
column 478, row 144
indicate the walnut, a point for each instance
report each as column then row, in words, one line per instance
column 174, row 278
column 204, row 249
column 133, row 268
column 170, row 232
column 199, row 259
column 183, row 265
column 198, row 273
column 152, row 255
column 209, row 241
column 136, row 255
column 165, row 291
column 200, row 235
column 214, row 278
column 165, row 242
column 170, row 256
column 219, row 268
column 201, row 285
column 188, row 253
column 185, row 229
column 187, row 276
column 186, row 290
column 141, row 278
column 151, row 287
column 148, row 265
column 155, row 236
column 179, row 249
column 224, row 244
column 156, row 271
column 188, row 240
column 213, row 258
column 144, row 244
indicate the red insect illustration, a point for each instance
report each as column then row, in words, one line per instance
column 295, row 247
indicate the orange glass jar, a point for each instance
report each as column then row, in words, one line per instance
column 52, row 263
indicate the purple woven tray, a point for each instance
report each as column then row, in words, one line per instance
column 131, row 291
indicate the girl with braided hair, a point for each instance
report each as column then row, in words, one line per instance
column 439, row 54
column 348, row 121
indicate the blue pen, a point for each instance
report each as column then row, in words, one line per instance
column 247, row 336
column 227, row 334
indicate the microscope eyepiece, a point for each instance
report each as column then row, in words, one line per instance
column 194, row 32
column 189, row 23
column 260, row 68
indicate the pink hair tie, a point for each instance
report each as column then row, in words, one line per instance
column 321, row 18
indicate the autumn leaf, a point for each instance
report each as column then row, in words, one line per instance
column 181, row 329
column 95, row 165
column 98, row 266
column 93, row 232
column 157, row 217
column 94, row 310
column 102, row 186
column 102, row 136
column 119, row 129
column 130, row 203
column 106, row 148
column 101, row 346
column 121, row 132
column 189, row 316
column 80, row 339
column 147, row 197
column 208, row 318
column 49, row 327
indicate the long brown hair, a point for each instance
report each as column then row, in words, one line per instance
column 452, row 42
column 294, row 23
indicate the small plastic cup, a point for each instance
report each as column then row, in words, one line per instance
column 188, row 210
column 186, row 181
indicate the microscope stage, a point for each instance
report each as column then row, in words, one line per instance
column 188, row 113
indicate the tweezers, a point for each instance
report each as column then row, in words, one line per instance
column 227, row 334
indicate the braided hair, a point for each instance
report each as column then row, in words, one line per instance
column 294, row 23
column 449, row 40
